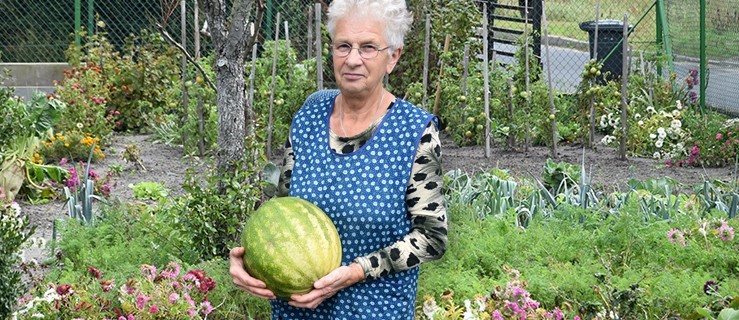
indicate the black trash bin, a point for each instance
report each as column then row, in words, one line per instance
column 610, row 33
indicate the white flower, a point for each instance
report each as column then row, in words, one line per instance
column 603, row 121
column 676, row 113
column 17, row 208
column 637, row 116
column 468, row 315
column 613, row 122
column 652, row 136
column 430, row 308
column 650, row 109
column 659, row 143
column 38, row 315
column 661, row 133
column 676, row 124
column 641, row 123
column 656, row 155
column 679, row 105
column 607, row 139
column 79, row 125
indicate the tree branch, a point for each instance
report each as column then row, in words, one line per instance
column 187, row 55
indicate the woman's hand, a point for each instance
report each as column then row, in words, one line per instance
column 243, row 280
column 328, row 286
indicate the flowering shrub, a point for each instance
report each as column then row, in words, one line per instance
column 86, row 93
column 715, row 144
column 73, row 145
column 513, row 302
column 151, row 295
column 657, row 134
column 14, row 231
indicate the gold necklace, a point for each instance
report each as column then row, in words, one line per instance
column 341, row 112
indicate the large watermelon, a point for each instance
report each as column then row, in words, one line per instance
column 290, row 243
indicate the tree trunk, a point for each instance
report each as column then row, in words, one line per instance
column 232, row 38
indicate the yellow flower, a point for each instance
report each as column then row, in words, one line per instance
column 52, row 138
column 66, row 144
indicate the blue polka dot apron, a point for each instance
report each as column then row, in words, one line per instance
column 364, row 194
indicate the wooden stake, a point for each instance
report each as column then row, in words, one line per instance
column 270, row 126
column 591, row 129
column 426, row 52
column 441, row 75
column 624, row 83
column 183, row 40
column 486, row 73
column 319, row 48
column 552, row 108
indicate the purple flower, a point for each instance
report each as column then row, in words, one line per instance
column 710, row 287
column 719, row 136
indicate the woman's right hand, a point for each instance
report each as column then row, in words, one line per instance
column 243, row 280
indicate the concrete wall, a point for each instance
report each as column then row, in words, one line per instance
column 27, row 78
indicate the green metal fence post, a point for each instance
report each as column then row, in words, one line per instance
column 77, row 21
column 660, row 30
column 90, row 16
column 703, row 56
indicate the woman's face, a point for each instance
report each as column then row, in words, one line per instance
column 354, row 74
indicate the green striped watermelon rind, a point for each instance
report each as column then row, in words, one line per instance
column 290, row 243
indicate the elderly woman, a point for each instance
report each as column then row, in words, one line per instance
column 371, row 161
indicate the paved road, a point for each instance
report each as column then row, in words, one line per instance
column 723, row 83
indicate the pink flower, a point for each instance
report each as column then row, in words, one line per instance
column 676, row 236
column 149, row 271
column 107, row 284
column 153, row 309
column 719, row 136
column 141, row 300
column 173, row 297
column 207, row 308
column 192, row 313
column 725, row 232
column 171, row 271
column 95, row 272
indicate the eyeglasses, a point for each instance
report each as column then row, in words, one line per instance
column 366, row 51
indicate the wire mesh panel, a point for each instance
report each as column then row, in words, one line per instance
column 722, row 48
column 571, row 31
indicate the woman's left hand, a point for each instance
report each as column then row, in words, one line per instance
column 328, row 286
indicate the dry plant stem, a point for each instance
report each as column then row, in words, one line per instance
column 441, row 75
column 189, row 58
column 309, row 50
column 552, row 108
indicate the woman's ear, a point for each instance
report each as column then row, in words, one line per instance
column 393, row 61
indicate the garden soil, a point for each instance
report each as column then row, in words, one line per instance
column 166, row 164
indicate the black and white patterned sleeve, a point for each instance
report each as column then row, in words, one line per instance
column 425, row 201
column 288, row 161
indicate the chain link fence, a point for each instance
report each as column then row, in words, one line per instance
column 41, row 30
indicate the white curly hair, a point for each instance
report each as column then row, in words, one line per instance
column 392, row 14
